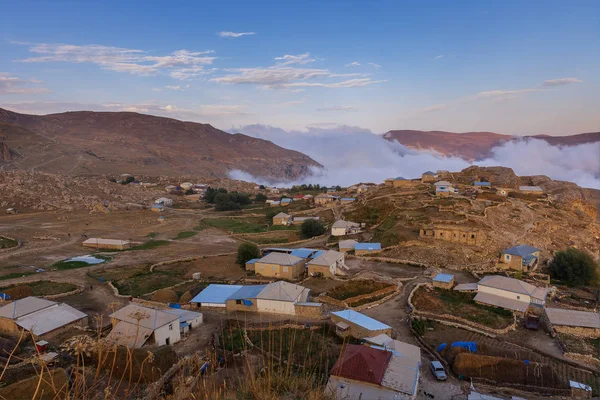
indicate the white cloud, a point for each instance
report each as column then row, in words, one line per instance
column 561, row 81
column 338, row 108
column 235, row 34
column 353, row 64
column 290, row 59
column 13, row 85
column 433, row 108
column 438, row 57
column 178, row 88
column 376, row 66
column 182, row 63
column 501, row 93
column 270, row 77
column 351, row 83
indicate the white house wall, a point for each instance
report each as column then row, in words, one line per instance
column 504, row 293
column 346, row 389
column 196, row 322
column 338, row 231
column 174, row 334
column 276, row 307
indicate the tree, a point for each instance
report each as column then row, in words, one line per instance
column 311, row 228
column 189, row 191
column 210, row 194
column 574, row 267
column 262, row 187
column 260, row 198
column 246, row 252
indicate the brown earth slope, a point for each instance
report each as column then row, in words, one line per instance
column 85, row 142
column 475, row 145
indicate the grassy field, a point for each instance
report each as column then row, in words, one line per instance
column 274, row 237
column 186, row 234
column 5, row 242
column 355, row 288
column 244, row 225
column 461, row 305
column 45, row 288
column 145, row 282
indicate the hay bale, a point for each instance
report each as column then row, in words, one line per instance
column 450, row 353
column 53, row 386
column 186, row 297
column 507, row 370
column 19, row 292
column 165, row 296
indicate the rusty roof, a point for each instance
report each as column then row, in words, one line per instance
column 362, row 363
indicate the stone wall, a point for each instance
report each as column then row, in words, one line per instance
column 315, row 312
column 231, row 305
column 577, row 331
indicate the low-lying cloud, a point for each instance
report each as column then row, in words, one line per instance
column 351, row 154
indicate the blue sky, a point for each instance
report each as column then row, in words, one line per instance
column 510, row 67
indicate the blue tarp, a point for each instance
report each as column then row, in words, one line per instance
column 4, row 296
column 174, row 305
column 471, row 346
column 441, row 347
column 247, row 302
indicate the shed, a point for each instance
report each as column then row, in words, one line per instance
column 187, row 319
column 135, row 325
column 580, row 390
column 114, row 244
column 347, row 245
column 215, row 295
column 366, row 248
column 444, row 281
column 575, row 322
column 357, row 325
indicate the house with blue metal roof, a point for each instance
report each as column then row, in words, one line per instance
column 250, row 264
column 359, row 326
column 366, row 248
column 520, row 258
column 303, row 253
column 215, row 295
column 285, row 202
column 444, row 281
column 347, row 200
column 482, row 184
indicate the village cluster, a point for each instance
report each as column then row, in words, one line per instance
column 377, row 361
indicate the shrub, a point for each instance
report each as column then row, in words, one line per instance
column 311, row 228
column 574, row 267
column 260, row 198
column 246, row 252
column 165, row 296
column 189, row 191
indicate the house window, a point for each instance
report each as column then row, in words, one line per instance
column 272, row 268
column 285, row 269
column 170, row 327
column 238, row 302
column 464, row 235
column 472, row 236
column 518, row 297
column 454, row 235
column 507, row 257
column 262, row 267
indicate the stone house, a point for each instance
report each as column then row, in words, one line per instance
column 444, row 189
column 429, row 177
column 574, row 322
column 453, row 233
column 357, row 325
column 521, row 258
column 342, row 228
column 402, row 182
column 324, row 198
column 531, row 190
column 282, row 219
column 347, row 245
column 328, row 264
column 43, row 318
column 112, row 244
column 280, row 265
column 443, row 281
column 134, row 326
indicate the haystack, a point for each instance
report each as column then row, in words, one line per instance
column 165, row 296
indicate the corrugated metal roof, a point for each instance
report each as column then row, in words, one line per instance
column 252, row 261
column 286, row 200
column 482, row 184
column 247, row 292
column 513, row 285
column 99, row 241
column 362, row 363
column 184, row 315
column 443, row 183
column 302, row 253
column 581, row 386
column 367, row 246
column 129, row 335
column 309, row 304
column 347, row 244
column 347, row 199
column 216, row 293
column 522, row 250
column 429, row 173
column 466, row 287
column 143, row 316
column 585, row 319
column 282, row 215
column 531, row 188
column 503, row 302
column 402, row 374
column 446, row 278
column 326, row 259
column 24, row 306
column 280, row 259
column 281, row 291
column 361, row 320
column 344, row 224
column 50, row 318
column 318, row 254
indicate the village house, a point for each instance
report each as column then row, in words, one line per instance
column 134, row 326
column 215, row 295
column 286, row 201
column 157, row 208
column 347, row 245
column 280, row 265
column 389, row 182
column 186, row 186
column 324, row 199
column 521, row 258
column 43, row 318
column 366, row 248
column 164, row 201
column 282, row 219
column 342, row 228
column 276, row 298
column 187, row 319
column 429, row 177
column 273, row 190
column 509, row 293
column 452, row 233
column 482, row 185
column 347, row 200
column 364, row 372
column 444, row 189
column 362, row 189
column 357, row 325
column 574, row 322
column 112, row 244
column 443, row 281
column 401, row 182
column 328, row 264
column 307, row 197
column 531, row 190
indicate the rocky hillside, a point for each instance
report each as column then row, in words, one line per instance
column 475, row 145
column 76, row 143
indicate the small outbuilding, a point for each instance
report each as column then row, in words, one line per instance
column 347, row 245
column 580, row 390
column 328, row 264
column 521, row 258
column 359, row 326
column 282, row 219
column 366, row 248
column 443, row 281
column 285, row 202
column 112, row 244
column 134, row 326
column 187, row 319
column 164, row 201
column 157, row 207
column 574, row 322
column 429, row 177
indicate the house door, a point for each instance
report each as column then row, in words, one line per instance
column 168, row 341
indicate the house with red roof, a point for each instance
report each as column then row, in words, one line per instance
column 364, row 372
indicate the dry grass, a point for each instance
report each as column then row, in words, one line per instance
column 356, row 288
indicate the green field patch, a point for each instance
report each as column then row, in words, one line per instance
column 145, row 282
column 186, row 234
column 245, row 225
column 6, row 243
column 42, row 288
column 356, row 288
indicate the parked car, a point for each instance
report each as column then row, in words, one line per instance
column 438, row 371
